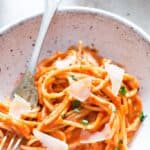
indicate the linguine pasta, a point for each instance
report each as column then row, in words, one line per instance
column 86, row 102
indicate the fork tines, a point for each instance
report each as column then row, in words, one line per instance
column 12, row 144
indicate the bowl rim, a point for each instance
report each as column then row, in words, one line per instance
column 79, row 9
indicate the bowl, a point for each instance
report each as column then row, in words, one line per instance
column 114, row 37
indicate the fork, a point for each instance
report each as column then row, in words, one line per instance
column 26, row 88
column 13, row 143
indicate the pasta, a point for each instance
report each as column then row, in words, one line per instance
column 85, row 101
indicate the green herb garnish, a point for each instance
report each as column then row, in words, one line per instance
column 142, row 117
column 76, row 104
column 115, row 110
column 120, row 141
column 76, row 110
column 116, row 148
column 85, row 122
column 73, row 77
column 63, row 115
column 123, row 90
column 52, row 99
column 81, row 66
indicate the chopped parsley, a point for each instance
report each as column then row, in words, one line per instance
column 63, row 115
column 115, row 110
column 52, row 99
column 120, row 141
column 123, row 90
column 76, row 110
column 142, row 117
column 85, row 122
column 76, row 104
column 81, row 66
column 73, row 77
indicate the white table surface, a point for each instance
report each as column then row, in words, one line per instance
column 137, row 11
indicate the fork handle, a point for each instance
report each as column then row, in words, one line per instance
column 51, row 7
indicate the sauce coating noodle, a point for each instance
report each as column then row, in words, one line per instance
column 86, row 118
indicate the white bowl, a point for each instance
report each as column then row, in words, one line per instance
column 115, row 37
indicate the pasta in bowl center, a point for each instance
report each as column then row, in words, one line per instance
column 85, row 102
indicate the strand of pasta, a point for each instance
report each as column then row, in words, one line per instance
column 56, row 116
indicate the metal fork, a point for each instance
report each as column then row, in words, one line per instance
column 26, row 88
column 14, row 143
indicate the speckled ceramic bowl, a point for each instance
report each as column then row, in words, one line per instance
column 115, row 37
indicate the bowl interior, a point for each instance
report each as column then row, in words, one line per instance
column 112, row 38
